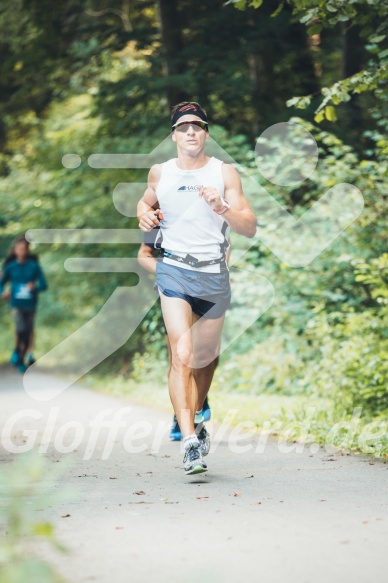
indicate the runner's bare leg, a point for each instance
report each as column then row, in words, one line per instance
column 178, row 318
column 206, row 347
column 203, row 376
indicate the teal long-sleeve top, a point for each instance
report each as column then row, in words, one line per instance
column 19, row 274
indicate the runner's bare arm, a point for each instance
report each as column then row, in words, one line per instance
column 147, row 204
column 240, row 216
column 146, row 258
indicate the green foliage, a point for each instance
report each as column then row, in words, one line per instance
column 352, row 367
column 25, row 490
column 370, row 17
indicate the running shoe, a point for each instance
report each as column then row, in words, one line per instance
column 206, row 411
column 22, row 367
column 193, row 461
column 175, row 433
column 203, row 438
column 14, row 358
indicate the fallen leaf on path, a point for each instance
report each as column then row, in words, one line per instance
column 252, row 476
column 86, row 475
column 237, row 494
column 65, row 515
column 202, row 497
column 140, row 493
column 113, row 478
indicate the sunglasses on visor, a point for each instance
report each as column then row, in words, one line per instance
column 183, row 126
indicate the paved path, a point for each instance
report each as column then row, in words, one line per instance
column 255, row 516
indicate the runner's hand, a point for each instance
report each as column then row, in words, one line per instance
column 6, row 294
column 150, row 219
column 212, row 197
column 31, row 286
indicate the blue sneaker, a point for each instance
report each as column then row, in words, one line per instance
column 175, row 433
column 22, row 367
column 206, row 411
column 14, row 358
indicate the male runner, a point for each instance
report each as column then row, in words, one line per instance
column 146, row 257
column 199, row 198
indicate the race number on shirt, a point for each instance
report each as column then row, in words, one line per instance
column 22, row 292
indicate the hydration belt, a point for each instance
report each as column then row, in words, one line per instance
column 193, row 261
column 190, row 260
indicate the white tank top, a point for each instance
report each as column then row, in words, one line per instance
column 190, row 225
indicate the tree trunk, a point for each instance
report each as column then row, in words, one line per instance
column 353, row 122
column 353, row 51
column 172, row 46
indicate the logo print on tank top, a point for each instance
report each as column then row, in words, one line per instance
column 195, row 187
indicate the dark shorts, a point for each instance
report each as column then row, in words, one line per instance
column 207, row 293
column 24, row 320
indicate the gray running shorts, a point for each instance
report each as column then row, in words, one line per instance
column 208, row 294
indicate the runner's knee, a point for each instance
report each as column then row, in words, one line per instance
column 182, row 355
